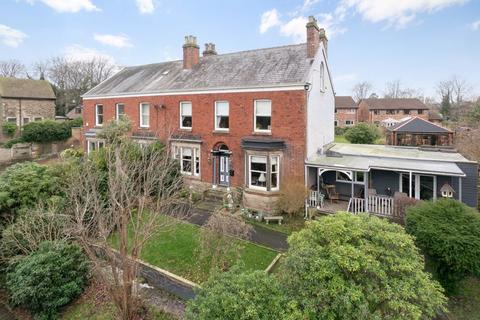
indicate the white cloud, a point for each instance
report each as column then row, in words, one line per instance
column 120, row 41
column 145, row 6
column 475, row 25
column 396, row 12
column 269, row 19
column 295, row 29
column 68, row 5
column 77, row 52
column 308, row 3
column 11, row 37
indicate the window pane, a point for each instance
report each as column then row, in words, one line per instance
column 222, row 122
column 263, row 123
column 263, row 108
column 342, row 176
column 120, row 111
column 186, row 160
column 274, row 161
column 186, row 109
column 222, row 108
column 186, row 122
column 258, row 171
column 360, row 176
column 26, row 120
column 197, row 161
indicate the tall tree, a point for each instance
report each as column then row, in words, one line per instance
column 456, row 88
column 12, row 68
column 395, row 90
column 362, row 90
column 446, row 106
column 124, row 194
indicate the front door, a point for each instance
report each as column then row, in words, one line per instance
column 224, row 171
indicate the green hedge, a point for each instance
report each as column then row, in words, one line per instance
column 9, row 129
column 46, row 131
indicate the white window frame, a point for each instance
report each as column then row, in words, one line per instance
column 97, row 144
column 181, row 115
column 23, row 120
column 97, row 124
column 117, row 116
column 216, row 116
column 268, row 172
column 140, row 112
column 255, row 116
column 352, row 123
column 417, row 184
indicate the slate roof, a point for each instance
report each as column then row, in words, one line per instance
column 345, row 102
column 25, row 88
column 394, row 104
column 286, row 65
column 418, row 125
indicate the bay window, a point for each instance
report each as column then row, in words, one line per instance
column 144, row 115
column 264, row 172
column 185, row 115
column 189, row 159
column 263, row 116
column 222, row 115
column 99, row 115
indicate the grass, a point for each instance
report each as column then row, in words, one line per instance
column 465, row 304
column 177, row 249
column 94, row 304
column 288, row 226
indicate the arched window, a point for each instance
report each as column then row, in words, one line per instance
column 322, row 77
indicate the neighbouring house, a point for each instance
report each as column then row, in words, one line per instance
column 416, row 131
column 359, row 178
column 345, row 111
column 377, row 110
column 246, row 119
column 75, row 113
column 25, row 100
column 435, row 117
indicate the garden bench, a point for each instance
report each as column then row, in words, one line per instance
column 279, row 219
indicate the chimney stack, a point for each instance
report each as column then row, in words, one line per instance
column 323, row 38
column 209, row 50
column 190, row 52
column 313, row 37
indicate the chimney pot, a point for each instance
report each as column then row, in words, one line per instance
column 190, row 52
column 209, row 50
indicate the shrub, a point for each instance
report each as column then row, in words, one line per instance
column 9, row 129
column 48, row 278
column 75, row 123
column 240, row 296
column 292, row 197
column 362, row 133
column 25, row 185
column 11, row 142
column 358, row 267
column 340, row 131
column 46, row 131
column 448, row 232
column 402, row 202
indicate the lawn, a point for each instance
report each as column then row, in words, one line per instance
column 342, row 139
column 177, row 249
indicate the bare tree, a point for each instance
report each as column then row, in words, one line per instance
column 40, row 69
column 467, row 143
column 142, row 185
column 12, row 69
column 219, row 239
column 456, row 88
column 362, row 90
column 395, row 90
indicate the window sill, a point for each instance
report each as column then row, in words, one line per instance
column 220, row 131
column 186, row 129
column 262, row 192
column 262, row 133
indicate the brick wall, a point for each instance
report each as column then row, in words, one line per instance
column 287, row 123
column 342, row 115
column 367, row 115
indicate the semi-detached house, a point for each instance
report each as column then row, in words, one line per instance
column 248, row 119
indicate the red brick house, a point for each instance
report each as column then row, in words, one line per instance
column 246, row 120
column 345, row 111
column 376, row 110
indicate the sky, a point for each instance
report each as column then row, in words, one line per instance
column 419, row 42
